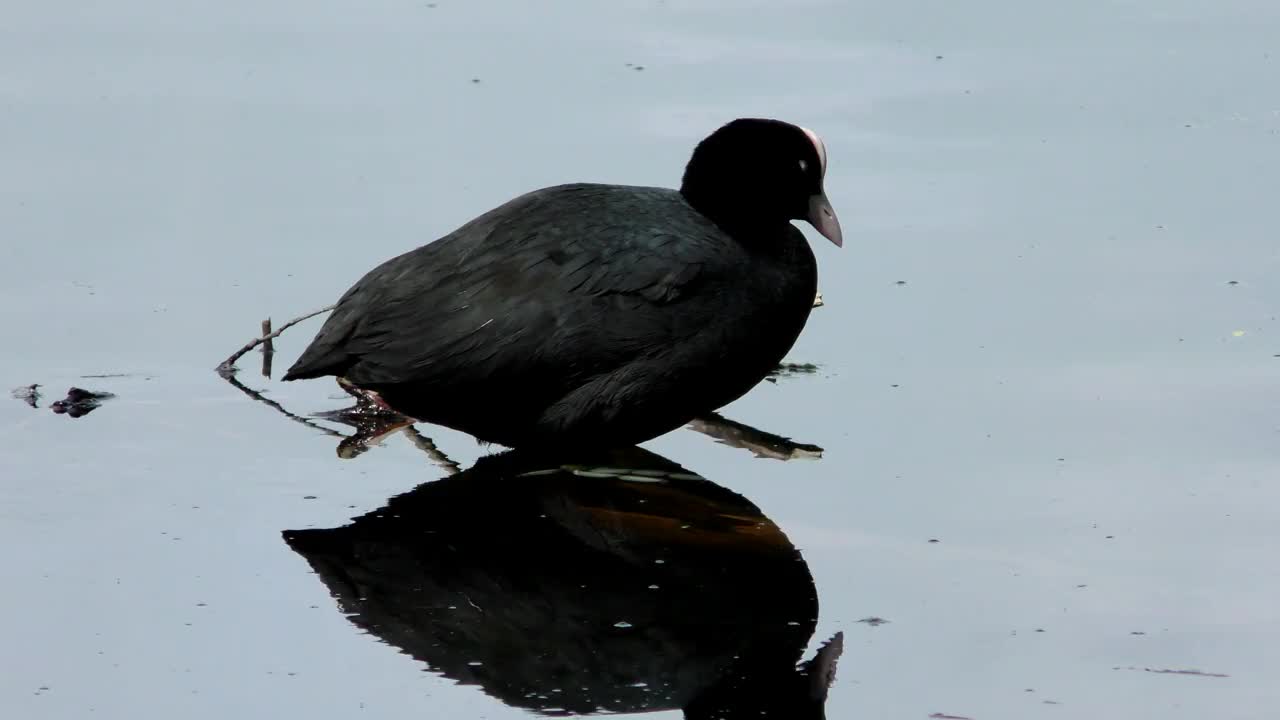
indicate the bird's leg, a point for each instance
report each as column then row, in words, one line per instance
column 370, row 430
column 760, row 443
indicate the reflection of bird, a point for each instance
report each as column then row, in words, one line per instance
column 614, row 583
column 600, row 313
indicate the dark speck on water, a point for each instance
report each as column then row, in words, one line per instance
column 79, row 402
column 785, row 370
column 77, row 395
column 28, row 394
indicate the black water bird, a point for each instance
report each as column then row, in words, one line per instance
column 600, row 313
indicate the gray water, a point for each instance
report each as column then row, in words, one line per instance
column 1049, row 342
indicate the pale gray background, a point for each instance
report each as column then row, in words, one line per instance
column 1067, row 192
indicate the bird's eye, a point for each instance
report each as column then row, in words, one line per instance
column 804, row 166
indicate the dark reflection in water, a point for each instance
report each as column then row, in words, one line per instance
column 616, row 583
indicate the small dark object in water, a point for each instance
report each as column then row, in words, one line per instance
column 873, row 621
column 79, row 402
column 596, row 313
column 1165, row 671
column 793, row 369
column 29, row 394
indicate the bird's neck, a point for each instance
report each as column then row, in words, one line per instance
column 739, row 215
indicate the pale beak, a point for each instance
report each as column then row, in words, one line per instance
column 824, row 220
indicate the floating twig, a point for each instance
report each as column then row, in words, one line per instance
column 268, row 349
column 426, row 445
column 228, row 366
column 255, row 395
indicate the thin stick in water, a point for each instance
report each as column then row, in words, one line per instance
column 268, row 349
column 229, row 365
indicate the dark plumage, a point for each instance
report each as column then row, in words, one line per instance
column 598, row 313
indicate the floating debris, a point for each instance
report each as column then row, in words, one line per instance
column 29, row 394
column 79, row 402
column 788, row 369
column 1163, row 671
column 874, row 621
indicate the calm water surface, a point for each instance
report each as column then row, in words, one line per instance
column 1049, row 344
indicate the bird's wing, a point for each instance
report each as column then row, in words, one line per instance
column 538, row 291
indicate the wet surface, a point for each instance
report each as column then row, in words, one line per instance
column 1046, row 365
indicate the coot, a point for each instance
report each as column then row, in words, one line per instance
column 594, row 313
